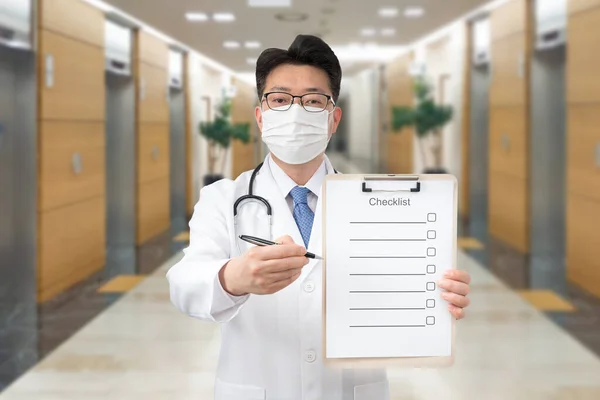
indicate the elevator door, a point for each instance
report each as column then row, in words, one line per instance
column 18, row 213
column 178, row 160
column 548, row 165
column 120, row 175
column 478, row 156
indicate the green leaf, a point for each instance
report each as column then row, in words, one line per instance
column 221, row 131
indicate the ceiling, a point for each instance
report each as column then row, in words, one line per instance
column 338, row 22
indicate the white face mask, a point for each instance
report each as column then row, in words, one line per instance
column 295, row 136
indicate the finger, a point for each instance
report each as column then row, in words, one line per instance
column 456, row 299
column 454, row 286
column 457, row 275
column 277, row 286
column 280, row 251
column 283, row 264
column 456, row 312
column 276, row 277
column 287, row 239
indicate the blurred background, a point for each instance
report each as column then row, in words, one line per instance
column 106, row 139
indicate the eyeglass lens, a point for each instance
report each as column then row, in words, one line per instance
column 312, row 102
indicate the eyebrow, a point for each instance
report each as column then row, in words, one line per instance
column 307, row 90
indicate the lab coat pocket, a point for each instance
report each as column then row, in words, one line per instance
column 372, row 391
column 231, row 391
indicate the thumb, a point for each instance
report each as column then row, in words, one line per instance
column 287, row 239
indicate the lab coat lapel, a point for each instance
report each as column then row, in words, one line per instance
column 282, row 220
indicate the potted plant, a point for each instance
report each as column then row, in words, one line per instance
column 219, row 134
column 427, row 119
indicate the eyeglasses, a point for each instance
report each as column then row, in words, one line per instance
column 311, row 102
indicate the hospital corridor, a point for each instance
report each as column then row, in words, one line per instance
column 142, row 141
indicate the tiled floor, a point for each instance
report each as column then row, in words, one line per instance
column 59, row 318
column 142, row 348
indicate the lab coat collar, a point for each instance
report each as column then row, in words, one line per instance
column 286, row 184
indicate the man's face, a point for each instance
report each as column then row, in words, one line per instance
column 298, row 80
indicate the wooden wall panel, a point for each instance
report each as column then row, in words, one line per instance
column 583, row 175
column 576, row 6
column 583, row 141
column 152, row 129
column 153, row 164
column 154, row 105
column 71, row 245
column 509, row 18
column 71, row 113
column 74, row 19
column 509, row 194
column 190, row 131
column 583, row 84
column 509, row 147
column 464, row 198
column 153, row 51
column 583, row 242
column 400, row 146
column 509, row 74
column 153, row 209
column 78, row 91
column 242, row 111
column 59, row 141
column 509, row 210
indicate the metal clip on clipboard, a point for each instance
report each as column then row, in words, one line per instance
column 398, row 178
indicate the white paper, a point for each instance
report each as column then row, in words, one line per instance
column 382, row 265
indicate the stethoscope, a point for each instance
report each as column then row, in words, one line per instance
column 254, row 197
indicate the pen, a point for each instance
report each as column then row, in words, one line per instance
column 264, row 242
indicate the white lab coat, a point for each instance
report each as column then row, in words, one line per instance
column 271, row 344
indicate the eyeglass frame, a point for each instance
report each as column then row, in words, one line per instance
column 329, row 99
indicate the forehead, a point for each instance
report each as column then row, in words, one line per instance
column 298, row 79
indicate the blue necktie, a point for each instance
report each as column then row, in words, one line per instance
column 302, row 213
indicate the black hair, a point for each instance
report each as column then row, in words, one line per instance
column 305, row 50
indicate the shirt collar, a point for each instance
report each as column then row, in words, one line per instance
column 286, row 184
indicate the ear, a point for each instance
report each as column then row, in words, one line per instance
column 258, row 116
column 337, row 117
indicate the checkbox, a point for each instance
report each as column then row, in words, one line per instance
column 431, row 252
column 430, row 320
column 431, row 217
column 431, row 269
column 431, row 286
column 430, row 234
column 430, row 303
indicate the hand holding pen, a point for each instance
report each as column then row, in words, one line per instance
column 264, row 269
column 264, row 242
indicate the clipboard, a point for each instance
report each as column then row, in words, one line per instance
column 380, row 186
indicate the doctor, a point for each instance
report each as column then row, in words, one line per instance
column 268, row 300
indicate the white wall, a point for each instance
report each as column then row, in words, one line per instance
column 448, row 59
column 362, row 116
column 204, row 81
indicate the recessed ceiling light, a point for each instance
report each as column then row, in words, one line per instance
column 388, row 32
column 251, row 61
column 230, row 44
column 223, row 17
column 414, row 12
column 368, row 32
column 196, row 17
column 252, row 45
column 388, row 12
column 269, row 3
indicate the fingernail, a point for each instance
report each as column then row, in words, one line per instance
column 444, row 295
column 441, row 282
column 447, row 274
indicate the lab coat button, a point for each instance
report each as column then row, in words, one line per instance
column 309, row 286
column 310, row 356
